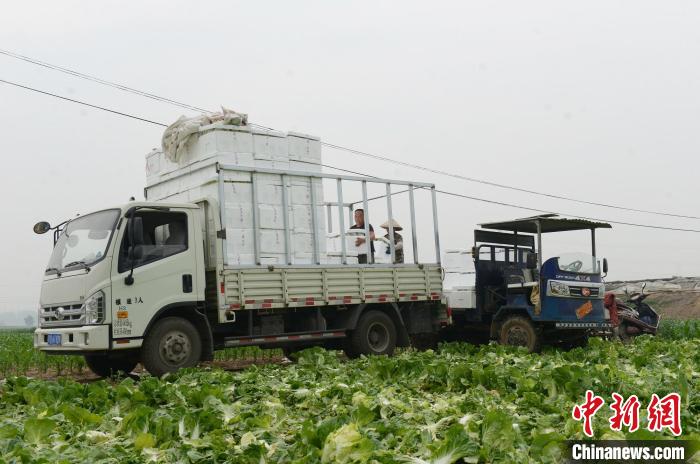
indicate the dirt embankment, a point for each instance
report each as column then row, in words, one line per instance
column 673, row 298
column 676, row 305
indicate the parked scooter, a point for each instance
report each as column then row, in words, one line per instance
column 633, row 317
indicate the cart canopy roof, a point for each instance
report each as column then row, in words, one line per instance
column 548, row 222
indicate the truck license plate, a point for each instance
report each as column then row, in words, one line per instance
column 54, row 339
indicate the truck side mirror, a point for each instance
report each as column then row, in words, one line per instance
column 605, row 266
column 42, row 227
column 531, row 261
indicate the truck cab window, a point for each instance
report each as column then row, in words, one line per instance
column 164, row 234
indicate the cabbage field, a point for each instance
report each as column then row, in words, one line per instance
column 461, row 403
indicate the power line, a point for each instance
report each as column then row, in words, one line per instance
column 83, row 103
column 632, row 224
column 101, row 81
column 115, row 85
column 339, row 147
column 511, row 205
column 483, row 200
column 502, row 186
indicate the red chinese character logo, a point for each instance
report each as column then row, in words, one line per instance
column 587, row 410
column 665, row 413
column 625, row 412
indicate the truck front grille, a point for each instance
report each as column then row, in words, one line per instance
column 61, row 315
column 578, row 291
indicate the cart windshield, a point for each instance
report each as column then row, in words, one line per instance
column 580, row 263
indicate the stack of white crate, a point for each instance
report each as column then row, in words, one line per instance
column 194, row 177
column 458, row 285
column 335, row 247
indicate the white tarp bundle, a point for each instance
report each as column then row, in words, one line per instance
column 176, row 135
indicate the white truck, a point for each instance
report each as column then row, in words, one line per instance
column 153, row 282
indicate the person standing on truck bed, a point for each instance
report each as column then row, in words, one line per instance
column 360, row 224
column 398, row 240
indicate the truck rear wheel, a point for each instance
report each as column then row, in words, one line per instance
column 375, row 334
column 173, row 343
column 108, row 365
column 519, row 331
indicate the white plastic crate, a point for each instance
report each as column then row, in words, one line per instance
column 239, row 242
column 382, row 253
column 269, row 194
column 458, row 260
column 302, row 243
column 301, row 191
column 267, row 260
column 217, row 140
column 461, row 298
column 271, row 216
column 458, row 280
column 304, row 147
column 239, row 216
column 304, row 166
column 301, row 218
column 334, row 242
column 267, row 145
column 337, row 259
column 238, row 192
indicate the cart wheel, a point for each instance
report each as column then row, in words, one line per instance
column 519, row 331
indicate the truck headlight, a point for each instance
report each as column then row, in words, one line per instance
column 94, row 308
column 558, row 288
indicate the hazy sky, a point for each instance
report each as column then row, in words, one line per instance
column 597, row 100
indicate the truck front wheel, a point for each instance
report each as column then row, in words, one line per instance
column 111, row 364
column 173, row 343
column 519, row 331
column 375, row 334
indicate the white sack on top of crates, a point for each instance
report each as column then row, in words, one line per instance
column 176, row 135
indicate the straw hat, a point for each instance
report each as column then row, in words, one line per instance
column 396, row 225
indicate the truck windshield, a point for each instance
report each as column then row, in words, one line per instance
column 581, row 263
column 84, row 240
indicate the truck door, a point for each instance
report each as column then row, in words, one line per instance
column 164, row 270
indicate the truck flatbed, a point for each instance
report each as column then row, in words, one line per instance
column 282, row 287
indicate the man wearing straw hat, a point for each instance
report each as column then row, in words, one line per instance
column 398, row 240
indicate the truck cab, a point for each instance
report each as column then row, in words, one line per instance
column 111, row 271
column 525, row 301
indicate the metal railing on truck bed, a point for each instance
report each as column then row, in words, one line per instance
column 285, row 176
column 291, row 285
